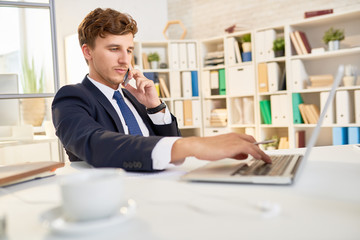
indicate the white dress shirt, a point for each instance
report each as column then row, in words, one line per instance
column 161, row 154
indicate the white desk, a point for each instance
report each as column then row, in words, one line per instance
column 323, row 204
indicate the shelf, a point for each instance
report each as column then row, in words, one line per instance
column 328, row 54
column 273, row 93
column 326, row 125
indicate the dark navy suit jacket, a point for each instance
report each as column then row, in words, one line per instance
column 90, row 129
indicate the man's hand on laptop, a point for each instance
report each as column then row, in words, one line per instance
column 231, row 145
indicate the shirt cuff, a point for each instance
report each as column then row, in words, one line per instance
column 161, row 154
column 161, row 118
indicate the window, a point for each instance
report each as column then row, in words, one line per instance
column 28, row 81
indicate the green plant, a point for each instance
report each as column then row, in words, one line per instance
column 273, row 144
column 279, row 44
column 246, row 38
column 333, row 34
column 153, row 57
column 30, row 81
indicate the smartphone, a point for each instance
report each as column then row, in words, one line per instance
column 126, row 79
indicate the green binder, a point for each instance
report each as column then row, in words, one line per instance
column 222, row 84
column 265, row 111
column 296, row 100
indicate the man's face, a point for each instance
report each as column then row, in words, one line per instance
column 110, row 59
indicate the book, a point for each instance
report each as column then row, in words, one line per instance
column 20, row 172
column 310, row 14
column 283, row 143
column 222, row 83
column 218, row 117
column 164, row 88
column 303, row 42
column 295, row 43
column 237, row 52
column 300, row 139
column 145, row 61
column 303, row 113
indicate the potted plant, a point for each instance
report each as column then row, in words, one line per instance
column 246, row 47
column 33, row 109
column 154, row 59
column 332, row 38
column 279, row 47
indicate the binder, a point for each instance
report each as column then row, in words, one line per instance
column 183, row 56
column 241, row 81
column 296, row 100
column 214, row 82
column 191, row 53
column 344, row 108
column 299, row 75
column 248, row 110
column 174, row 56
column 270, row 36
column 222, row 83
column 205, row 79
column 188, row 118
column 263, row 77
column 329, row 116
column 194, row 83
column 353, row 135
column 275, row 102
column 265, row 110
column 196, row 112
column 357, row 106
column 186, row 84
column 175, row 84
column 179, row 113
column 230, row 49
column 283, row 110
column 273, row 76
column 260, row 45
column 340, row 135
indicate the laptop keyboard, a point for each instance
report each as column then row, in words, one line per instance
column 260, row 168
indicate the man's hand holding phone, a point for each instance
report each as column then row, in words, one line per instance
column 145, row 91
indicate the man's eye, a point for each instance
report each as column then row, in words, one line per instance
column 113, row 49
column 130, row 51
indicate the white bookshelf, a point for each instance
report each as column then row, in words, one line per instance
column 326, row 62
column 172, row 67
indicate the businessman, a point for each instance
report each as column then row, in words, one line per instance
column 108, row 123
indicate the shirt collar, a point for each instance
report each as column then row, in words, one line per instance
column 107, row 91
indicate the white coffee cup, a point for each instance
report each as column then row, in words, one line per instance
column 92, row 194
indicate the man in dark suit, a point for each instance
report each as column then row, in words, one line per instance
column 110, row 124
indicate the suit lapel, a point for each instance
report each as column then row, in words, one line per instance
column 100, row 97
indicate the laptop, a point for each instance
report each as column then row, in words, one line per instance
column 285, row 168
column 16, row 173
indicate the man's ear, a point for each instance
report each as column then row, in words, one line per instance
column 86, row 51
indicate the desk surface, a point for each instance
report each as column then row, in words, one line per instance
column 323, row 204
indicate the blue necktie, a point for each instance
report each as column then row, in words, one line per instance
column 129, row 117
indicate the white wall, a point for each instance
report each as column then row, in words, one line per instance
column 151, row 17
column 209, row 18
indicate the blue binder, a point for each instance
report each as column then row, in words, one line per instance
column 353, row 135
column 340, row 135
column 194, row 83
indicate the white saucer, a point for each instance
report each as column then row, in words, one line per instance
column 54, row 220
